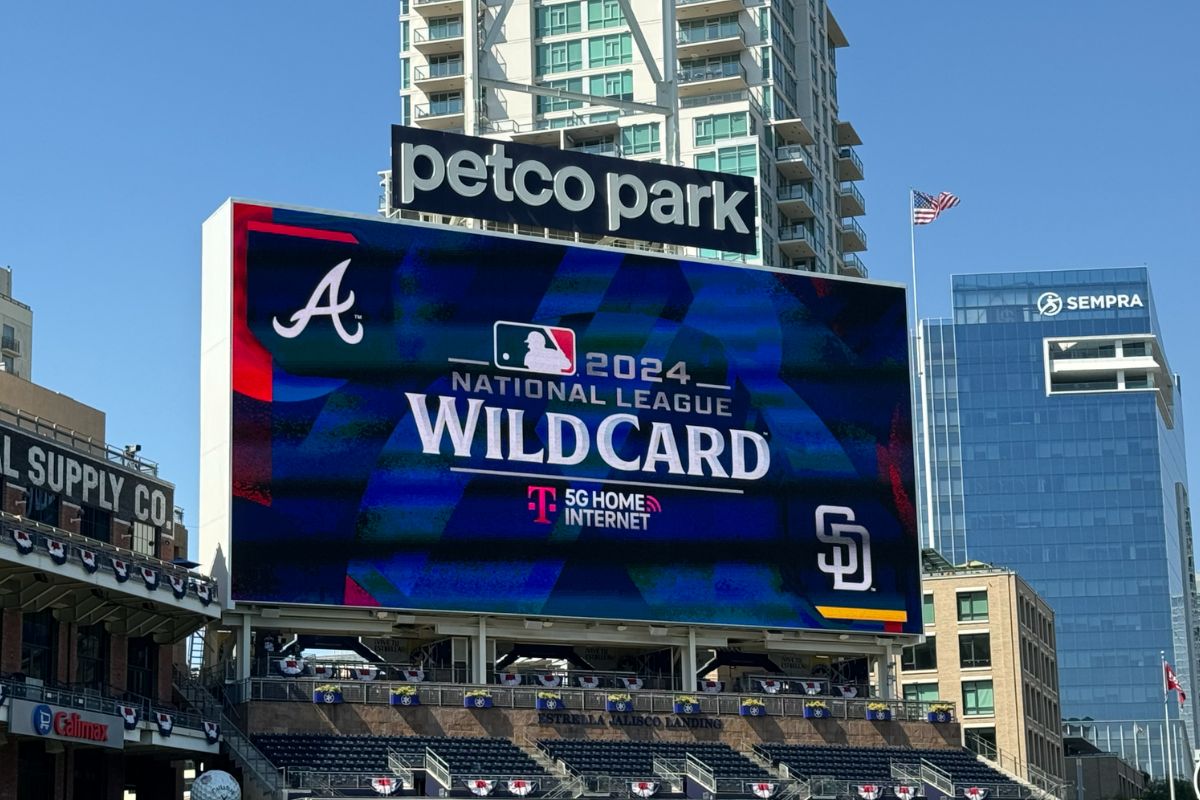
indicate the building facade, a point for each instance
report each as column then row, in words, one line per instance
column 748, row 88
column 990, row 645
column 16, row 331
column 1058, row 451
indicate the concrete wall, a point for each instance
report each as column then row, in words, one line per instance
column 51, row 406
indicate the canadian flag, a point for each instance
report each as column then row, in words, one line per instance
column 1173, row 683
column 763, row 790
column 632, row 683
column 811, row 687
column 870, row 791
column 385, row 786
column 975, row 793
column 549, row 680
column 644, row 788
column 905, row 792
column 771, row 686
column 480, row 787
column 711, row 687
column 588, row 681
column 510, row 679
column 520, row 788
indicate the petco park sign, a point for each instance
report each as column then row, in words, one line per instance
column 545, row 187
column 1051, row 304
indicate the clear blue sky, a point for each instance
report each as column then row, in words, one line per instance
column 1069, row 128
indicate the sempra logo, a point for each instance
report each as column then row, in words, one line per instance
column 1050, row 304
column 330, row 285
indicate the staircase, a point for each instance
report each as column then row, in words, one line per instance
column 241, row 750
column 195, row 651
column 565, row 784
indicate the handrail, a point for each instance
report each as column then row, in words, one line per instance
column 700, row 772
column 1022, row 770
column 937, row 777
column 98, row 702
column 437, row 768
column 54, row 432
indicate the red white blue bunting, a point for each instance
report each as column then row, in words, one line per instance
column 88, row 559
column 205, row 592
column 385, row 786
column 212, row 732
column 322, row 670
column 632, row 683
column 549, row 680
column 166, row 722
column 120, row 569
column 414, row 675
column 178, row 585
column 975, row 793
column 644, row 788
column 904, row 792
column 770, row 686
column 23, row 541
column 869, row 791
column 588, row 681
column 848, row 691
column 291, row 666
column 509, row 679
column 711, row 687
column 130, row 715
column 519, row 787
column 480, row 787
column 57, row 550
column 811, row 687
column 150, row 578
column 367, row 672
column 763, row 790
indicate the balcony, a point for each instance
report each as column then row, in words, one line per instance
column 850, row 201
column 10, row 344
column 793, row 130
column 698, row 9
column 596, row 149
column 794, row 162
column 708, row 78
column 439, row 39
column 849, row 165
column 710, row 40
column 853, row 238
column 436, row 8
column 440, row 115
column 796, row 241
column 795, row 200
column 846, row 135
column 853, row 266
column 440, row 77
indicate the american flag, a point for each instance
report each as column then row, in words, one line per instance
column 926, row 208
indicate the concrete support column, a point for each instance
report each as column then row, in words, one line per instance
column 479, row 654
column 118, row 662
column 245, row 655
column 689, row 662
column 10, row 652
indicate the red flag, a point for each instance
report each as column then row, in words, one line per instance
column 1173, row 682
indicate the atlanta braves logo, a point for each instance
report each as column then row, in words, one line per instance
column 330, row 285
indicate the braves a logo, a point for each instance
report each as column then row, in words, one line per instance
column 849, row 557
column 331, row 286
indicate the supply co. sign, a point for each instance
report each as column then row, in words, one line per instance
column 447, row 173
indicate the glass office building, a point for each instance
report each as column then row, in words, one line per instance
column 1058, row 451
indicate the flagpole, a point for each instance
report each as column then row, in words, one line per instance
column 1167, row 721
column 920, row 355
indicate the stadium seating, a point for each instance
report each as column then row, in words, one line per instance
column 635, row 759
column 874, row 763
column 467, row 757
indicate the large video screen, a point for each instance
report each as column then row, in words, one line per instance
column 426, row 418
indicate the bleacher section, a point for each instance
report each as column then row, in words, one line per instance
column 635, row 759
column 873, row 764
column 466, row 757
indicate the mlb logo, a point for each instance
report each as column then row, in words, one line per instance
column 543, row 349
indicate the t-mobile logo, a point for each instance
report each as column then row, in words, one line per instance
column 542, row 501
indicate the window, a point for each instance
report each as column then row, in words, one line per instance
column 142, row 671
column 145, row 539
column 42, row 506
column 445, row 28
column 441, row 103
column 920, row 656
column 639, row 139
column 559, row 19
column 605, row 51
column 927, row 609
column 92, row 656
column 39, row 633
column 618, row 85
column 9, row 338
column 604, row 14
column 977, row 699
column 95, row 523
column 546, row 104
column 920, row 692
column 717, row 127
column 972, row 606
column 559, row 57
column 742, row 160
column 975, row 650
column 8, row 364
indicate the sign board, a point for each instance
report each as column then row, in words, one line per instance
column 428, row 418
column 545, row 187
column 46, row 721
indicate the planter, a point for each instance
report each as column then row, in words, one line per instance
column 477, row 702
column 939, row 717
column 548, row 704
column 816, row 713
column 327, row 698
column 687, row 708
column 752, row 711
column 879, row 716
column 618, row 706
column 404, row 700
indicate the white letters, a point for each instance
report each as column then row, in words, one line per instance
column 331, row 285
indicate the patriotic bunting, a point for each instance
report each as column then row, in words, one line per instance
column 509, row 679
column 711, row 687
column 520, row 788
column 58, row 551
column 292, row 666
column 869, row 791
column 89, row 560
column 205, row 592
column 975, row 793
column 178, row 586
column 385, row 786
column 166, row 722
column 763, row 790
column 150, row 577
column 414, row 675
column 848, row 691
column 632, row 683
column 120, row 569
column 212, row 732
column 367, row 672
column 811, row 687
column 770, row 686
column 131, row 715
column 480, row 787
column 903, row 792
column 322, row 670
column 23, row 541
column 550, row 680
column 644, row 788
column 588, row 681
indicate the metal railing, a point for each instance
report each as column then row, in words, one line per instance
column 794, row 233
column 597, row 149
column 439, row 33
column 852, row 261
column 794, row 191
column 792, row 152
column 442, row 69
column 441, row 108
column 712, row 72
column 73, row 543
column 10, row 343
column 1022, row 769
column 99, row 703
column 437, row 768
column 76, row 440
column 848, row 189
column 851, row 227
column 848, row 154
column 700, row 772
column 707, row 33
column 572, row 700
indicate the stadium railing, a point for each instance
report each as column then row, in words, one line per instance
column 99, row 702
column 573, row 701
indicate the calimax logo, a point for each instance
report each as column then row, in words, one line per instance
column 548, row 187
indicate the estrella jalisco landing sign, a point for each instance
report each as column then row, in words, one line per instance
column 434, row 419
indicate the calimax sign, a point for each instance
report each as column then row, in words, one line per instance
column 447, row 173
column 68, row 725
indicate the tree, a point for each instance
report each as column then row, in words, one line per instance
column 1159, row 790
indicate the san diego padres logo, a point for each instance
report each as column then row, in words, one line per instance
column 849, row 556
column 330, row 285
column 1049, row 304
